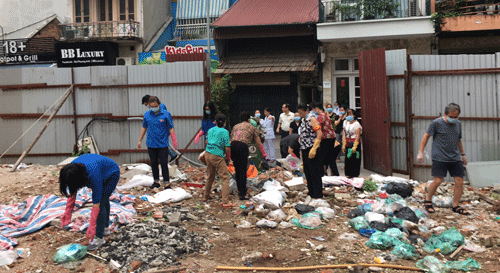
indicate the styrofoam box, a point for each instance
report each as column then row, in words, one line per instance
column 483, row 174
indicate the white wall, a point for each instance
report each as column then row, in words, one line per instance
column 15, row 14
column 154, row 15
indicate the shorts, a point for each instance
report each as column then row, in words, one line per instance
column 456, row 169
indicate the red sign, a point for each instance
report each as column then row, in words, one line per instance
column 188, row 49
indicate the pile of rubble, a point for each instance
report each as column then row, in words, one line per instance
column 151, row 244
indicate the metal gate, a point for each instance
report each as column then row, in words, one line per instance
column 375, row 110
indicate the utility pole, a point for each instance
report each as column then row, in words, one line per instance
column 209, row 45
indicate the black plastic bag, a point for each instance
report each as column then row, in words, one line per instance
column 355, row 213
column 413, row 239
column 379, row 226
column 407, row 214
column 402, row 189
column 302, row 209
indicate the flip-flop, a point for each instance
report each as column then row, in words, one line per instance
column 460, row 210
column 229, row 205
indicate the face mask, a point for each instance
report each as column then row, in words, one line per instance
column 155, row 109
column 336, row 107
column 257, row 115
column 342, row 113
column 349, row 118
column 329, row 110
column 296, row 118
column 451, row 120
column 207, row 111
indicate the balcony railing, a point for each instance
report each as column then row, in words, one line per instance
column 99, row 30
column 451, row 8
column 353, row 10
column 191, row 29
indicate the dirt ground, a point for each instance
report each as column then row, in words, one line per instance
column 280, row 247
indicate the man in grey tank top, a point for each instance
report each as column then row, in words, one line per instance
column 447, row 155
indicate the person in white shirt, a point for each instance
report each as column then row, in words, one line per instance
column 351, row 144
column 284, row 122
column 336, row 108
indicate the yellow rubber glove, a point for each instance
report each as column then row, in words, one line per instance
column 355, row 146
column 344, row 143
column 315, row 147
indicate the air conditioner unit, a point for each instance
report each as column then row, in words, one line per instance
column 416, row 8
column 124, row 61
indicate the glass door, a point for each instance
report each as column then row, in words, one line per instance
column 342, row 87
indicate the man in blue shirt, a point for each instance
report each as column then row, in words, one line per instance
column 447, row 155
column 145, row 102
column 100, row 174
column 158, row 127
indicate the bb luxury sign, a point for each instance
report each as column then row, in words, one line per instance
column 86, row 54
column 23, row 51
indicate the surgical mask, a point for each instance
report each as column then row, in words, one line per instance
column 257, row 115
column 296, row 118
column 329, row 110
column 451, row 120
column 207, row 112
column 349, row 118
column 155, row 109
column 342, row 113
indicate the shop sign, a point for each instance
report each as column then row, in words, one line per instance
column 149, row 58
column 86, row 54
column 188, row 49
column 17, row 51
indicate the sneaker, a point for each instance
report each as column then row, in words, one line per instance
column 155, row 185
column 96, row 243
column 107, row 232
column 167, row 185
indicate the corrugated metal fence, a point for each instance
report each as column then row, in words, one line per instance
column 112, row 93
column 420, row 87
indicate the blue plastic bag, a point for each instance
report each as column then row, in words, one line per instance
column 71, row 252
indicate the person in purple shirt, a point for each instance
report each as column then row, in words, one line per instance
column 101, row 175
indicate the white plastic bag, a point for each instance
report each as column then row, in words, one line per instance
column 374, row 217
column 284, row 225
column 274, row 185
column 317, row 203
column 266, row 224
column 244, row 224
column 270, row 199
column 170, row 195
column 293, row 163
column 327, row 213
column 277, row 215
column 442, row 201
column 144, row 167
column 7, row 257
column 348, row 236
column 137, row 180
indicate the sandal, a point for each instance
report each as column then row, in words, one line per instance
column 428, row 206
column 460, row 210
column 228, row 205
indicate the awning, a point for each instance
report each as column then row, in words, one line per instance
column 267, row 63
column 196, row 9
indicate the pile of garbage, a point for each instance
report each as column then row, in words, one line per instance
column 151, row 244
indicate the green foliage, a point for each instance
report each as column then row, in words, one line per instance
column 446, row 8
column 369, row 185
column 83, row 150
column 220, row 93
column 367, row 9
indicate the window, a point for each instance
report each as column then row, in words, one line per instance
column 106, row 10
column 127, row 10
column 342, row 65
column 82, row 11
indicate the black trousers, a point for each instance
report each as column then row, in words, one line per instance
column 239, row 156
column 328, row 154
column 159, row 155
column 283, row 133
column 313, row 169
column 353, row 164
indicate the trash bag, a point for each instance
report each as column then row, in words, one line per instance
column 414, row 239
column 379, row 226
column 432, row 265
column 326, row 213
column 366, row 207
column 71, row 252
column 421, row 213
column 308, row 221
column 395, row 233
column 277, row 215
column 302, row 209
column 319, row 203
column 266, row 224
column 402, row 189
column 467, row 265
column 374, row 217
column 442, row 201
column 407, row 214
column 367, row 232
column 355, row 213
column 405, row 251
column 380, row 240
column 446, row 242
column 358, row 223
column 271, row 199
